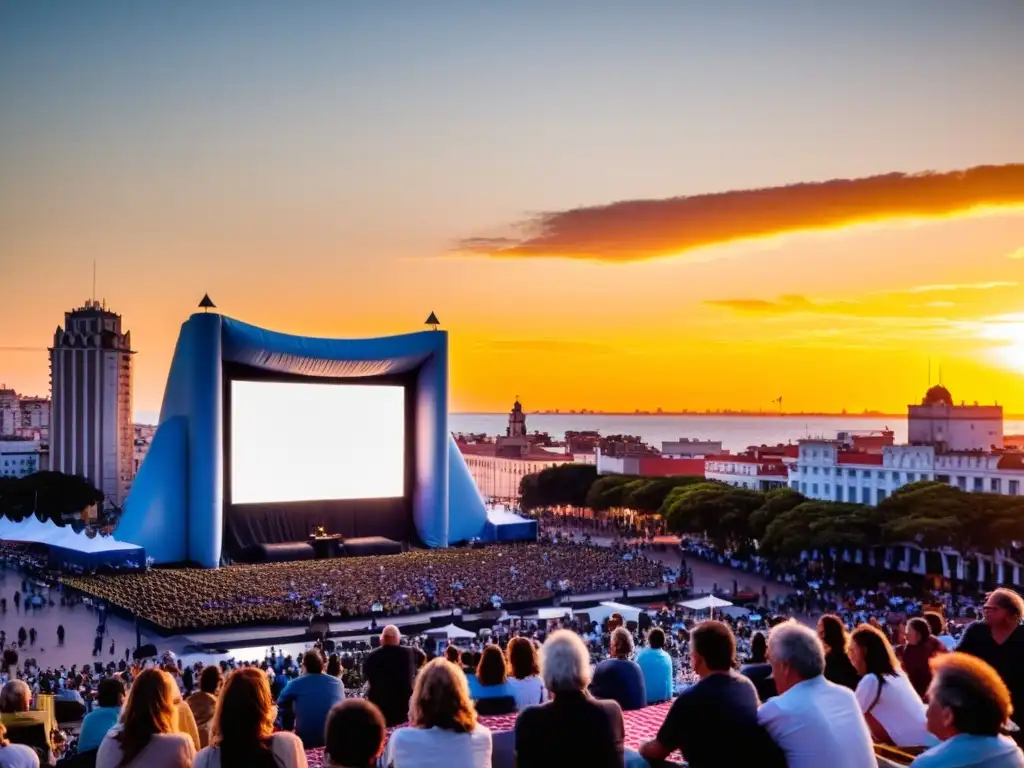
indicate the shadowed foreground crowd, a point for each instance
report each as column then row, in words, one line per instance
column 805, row 699
column 467, row 579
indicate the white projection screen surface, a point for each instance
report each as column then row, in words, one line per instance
column 292, row 441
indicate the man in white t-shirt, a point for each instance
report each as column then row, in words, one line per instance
column 815, row 722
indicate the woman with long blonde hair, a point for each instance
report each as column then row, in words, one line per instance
column 443, row 730
column 243, row 728
column 147, row 735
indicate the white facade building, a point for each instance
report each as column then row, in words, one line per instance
column 19, row 458
column 757, row 469
column 833, row 470
column 936, row 421
column 91, row 392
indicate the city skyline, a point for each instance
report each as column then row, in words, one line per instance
column 608, row 210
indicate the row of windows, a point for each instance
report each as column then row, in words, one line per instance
column 867, row 495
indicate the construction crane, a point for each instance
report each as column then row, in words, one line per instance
column 778, row 401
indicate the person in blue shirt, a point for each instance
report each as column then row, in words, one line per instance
column 656, row 665
column 310, row 698
column 619, row 678
column 968, row 706
column 491, row 681
column 110, row 698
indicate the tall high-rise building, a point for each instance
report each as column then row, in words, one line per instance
column 91, row 395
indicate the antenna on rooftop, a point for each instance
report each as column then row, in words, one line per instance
column 94, row 281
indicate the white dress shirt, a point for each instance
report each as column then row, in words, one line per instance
column 818, row 724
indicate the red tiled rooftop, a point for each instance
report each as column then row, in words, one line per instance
column 1011, row 461
column 849, row 457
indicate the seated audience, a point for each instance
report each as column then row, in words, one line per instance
column 892, row 708
column 355, row 735
column 147, row 736
column 815, row 722
column 618, row 678
column 720, row 709
column 968, row 706
column 203, row 702
column 524, row 674
column 443, row 730
column 390, row 672
column 572, row 728
column 16, row 755
column 311, row 696
column 491, row 683
column 757, row 669
column 838, row 667
column 243, row 731
column 656, row 666
column 109, row 700
column 917, row 654
column 25, row 725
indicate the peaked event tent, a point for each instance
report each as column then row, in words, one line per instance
column 453, row 632
column 70, row 548
column 708, row 603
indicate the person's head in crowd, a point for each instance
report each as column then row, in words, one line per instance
column 334, row 665
column 871, row 652
column 451, row 653
column 491, row 670
column 936, row 622
column 1003, row 609
column 918, row 631
column 758, row 648
column 312, row 663
column 354, row 736
column 656, row 638
column 110, row 692
column 15, row 696
column 832, row 633
column 244, row 720
column 712, row 648
column 622, row 643
column 210, row 679
column 795, row 653
column 150, row 710
column 966, row 696
column 390, row 635
column 565, row 663
column 440, row 699
column 467, row 661
column 522, row 659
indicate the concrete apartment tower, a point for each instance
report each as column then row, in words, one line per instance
column 91, row 394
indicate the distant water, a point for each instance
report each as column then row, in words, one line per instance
column 735, row 432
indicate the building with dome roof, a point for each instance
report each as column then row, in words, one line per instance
column 937, row 421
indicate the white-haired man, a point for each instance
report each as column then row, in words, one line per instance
column 815, row 722
column 573, row 728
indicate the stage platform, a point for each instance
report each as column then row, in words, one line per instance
column 504, row 526
column 314, row 549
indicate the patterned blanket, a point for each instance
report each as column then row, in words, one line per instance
column 641, row 725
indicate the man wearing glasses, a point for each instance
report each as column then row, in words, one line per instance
column 998, row 639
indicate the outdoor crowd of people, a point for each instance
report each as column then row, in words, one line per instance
column 389, row 585
column 802, row 698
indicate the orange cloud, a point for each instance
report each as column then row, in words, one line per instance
column 634, row 230
column 784, row 305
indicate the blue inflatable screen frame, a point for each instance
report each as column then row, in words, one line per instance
column 175, row 508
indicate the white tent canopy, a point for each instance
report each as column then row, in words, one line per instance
column 452, row 632
column 706, row 603
column 31, row 531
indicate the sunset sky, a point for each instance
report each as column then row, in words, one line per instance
column 599, row 200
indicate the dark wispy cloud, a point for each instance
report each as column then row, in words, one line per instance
column 633, row 230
